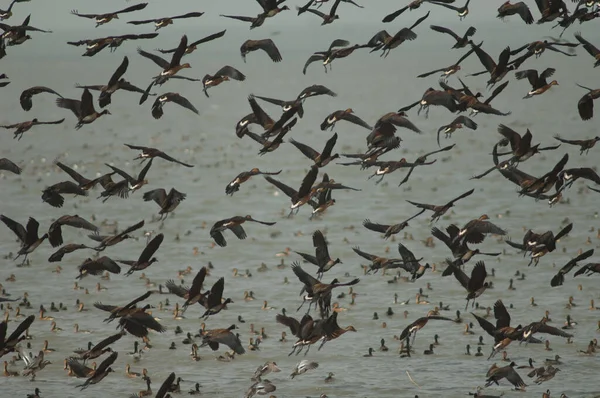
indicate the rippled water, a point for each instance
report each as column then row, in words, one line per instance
column 371, row 86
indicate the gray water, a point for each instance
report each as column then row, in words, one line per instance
column 371, row 86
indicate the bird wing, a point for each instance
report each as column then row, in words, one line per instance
column 291, row 192
column 478, row 275
column 163, row 63
column 381, row 228
column 308, row 280
column 501, row 314
column 231, row 72
column 119, row 72
column 151, row 248
column 442, row 29
column 14, row 226
column 182, row 101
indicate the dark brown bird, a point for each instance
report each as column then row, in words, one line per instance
column 84, row 183
column 498, row 70
column 55, row 230
column 347, row 115
column 241, row 178
column 462, row 11
column 53, row 194
column 129, row 184
column 100, row 348
column 234, row 224
column 449, row 70
column 475, row 230
column 83, row 109
column 94, row 46
column 559, row 278
column 460, row 250
column 521, row 147
column 460, row 41
column 520, row 8
column 413, row 5
column 157, row 106
column 194, row 46
column 101, row 19
column 150, row 153
column 66, row 249
column 321, row 159
column 115, row 83
column 21, row 128
column 385, row 42
column 458, row 123
column 214, row 337
column 585, row 145
column 586, row 103
column 28, row 237
column 475, row 285
column 26, row 96
column 111, row 240
column 214, row 302
column 270, row 146
column 537, row 81
column 162, row 22
column 419, row 324
column 145, row 259
column 101, row 372
column 266, row 45
column 323, row 55
column 303, row 195
column 439, row 211
column 168, row 202
column 327, row 18
column 97, row 267
column 117, row 312
column 224, row 74
column 389, row 230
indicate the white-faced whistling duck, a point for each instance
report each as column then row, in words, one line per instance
column 27, row 236
column 378, row 262
column 235, row 225
column 331, row 330
column 520, row 8
column 322, row 259
column 55, row 230
column 270, row 146
column 214, row 303
column 83, row 109
column 586, row 103
column 439, row 211
column 267, row 45
column 53, row 194
column 101, row 372
column 323, row 55
column 413, row 5
column 449, row 70
column 321, row 159
column 214, row 337
column 115, row 83
column 389, row 230
column 150, row 153
column 475, row 230
column 101, row 19
column 462, row 11
column 6, row 14
column 347, row 115
column 385, row 42
column 26, row 95
column 84, row 183
column 194, row 46
column 584, row 145
column 588, row 269
column 157, row 106
column 417, row 325
column 498, row 70
column 241, row 178
column 99, row 349
column 559, row 278
column 538, row 82
column 460, row 41
column 303, row 195
column 21, row 128
column 112, row 240
column 224, row 74
column 521, row 147
column 167, row 202
column 458, row 123
column 145, row 259
column 162, row 22
column 327, row 18
column 475, row 285
column 8, row 165
column 97, row 266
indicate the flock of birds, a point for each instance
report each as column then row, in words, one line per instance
column 319, row 324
